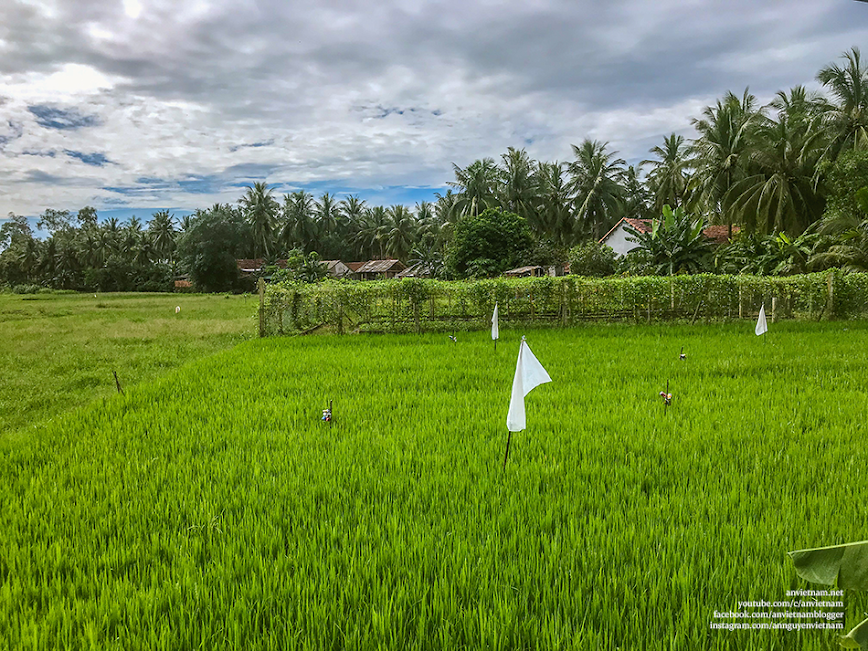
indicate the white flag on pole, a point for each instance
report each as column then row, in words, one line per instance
column 495, row 331
column 529, row 373
column 761, row 326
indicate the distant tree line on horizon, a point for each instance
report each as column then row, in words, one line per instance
column 789, row 179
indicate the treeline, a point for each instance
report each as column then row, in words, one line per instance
column 787, row 178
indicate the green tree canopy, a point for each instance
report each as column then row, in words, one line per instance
column 208, row 250
column 488, row 243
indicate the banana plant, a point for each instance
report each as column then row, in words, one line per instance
column 845, row 566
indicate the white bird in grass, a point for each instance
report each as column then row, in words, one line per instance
column 454, row 340
column 177, row 309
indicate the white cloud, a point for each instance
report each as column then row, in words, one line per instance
column 186, row 99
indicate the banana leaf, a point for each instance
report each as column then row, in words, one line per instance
column 845, row 564
column 857, row 638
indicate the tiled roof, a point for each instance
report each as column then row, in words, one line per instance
column 641, row 225
column 718, row 234
column 249, row 265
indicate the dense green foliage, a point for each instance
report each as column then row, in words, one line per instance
column 59, row 351
column 210, row 247
column 674, row 244
column 592, row 259
column 214, row 509
column 417, row 305
column 488, row 244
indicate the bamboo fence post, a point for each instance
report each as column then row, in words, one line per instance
column 831, row 284
column 261, row 287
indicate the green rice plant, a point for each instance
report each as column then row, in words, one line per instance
column 212, row 508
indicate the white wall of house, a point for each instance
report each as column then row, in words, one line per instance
column 618, row 240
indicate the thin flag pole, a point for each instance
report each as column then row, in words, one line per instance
column 117, row 382
column 506, row 456
column 666, row 401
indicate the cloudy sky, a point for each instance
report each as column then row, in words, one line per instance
column 147, row 104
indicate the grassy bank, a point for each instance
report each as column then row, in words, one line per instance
column 59, row 351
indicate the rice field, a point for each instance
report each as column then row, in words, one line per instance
column 58, row 352
column 212, row 508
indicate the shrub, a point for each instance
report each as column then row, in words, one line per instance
column 592, row 259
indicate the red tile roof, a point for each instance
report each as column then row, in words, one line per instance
column 717, row 234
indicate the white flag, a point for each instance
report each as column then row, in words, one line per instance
column 529, row 373
column 495, row 331
column 761, row 326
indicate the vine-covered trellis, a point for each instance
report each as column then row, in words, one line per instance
column 417, row 305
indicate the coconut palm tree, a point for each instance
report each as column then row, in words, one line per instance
column 260, row 209
column 476, row 185
column 162, row 231
column 721, row 152
column 299, row 225
column 669, row 175
column 352, row 209
column 847, row 117
column 327, row 213
column 371, row 236
column 596, row 185
column 553, row 217
column 778, row 191
column 637, row 202
column 402, row 232
column 518, row 189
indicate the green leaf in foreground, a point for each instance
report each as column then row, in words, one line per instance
column 857, row 638
column 848, row 564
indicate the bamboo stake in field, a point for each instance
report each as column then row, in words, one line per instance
column 667, row 398
column 529, row 373
column 117, row 382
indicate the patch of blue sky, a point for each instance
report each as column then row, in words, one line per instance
column 52, row 117
column 264, row 143
column 96, row 159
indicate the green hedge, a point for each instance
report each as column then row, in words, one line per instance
column 415, row 305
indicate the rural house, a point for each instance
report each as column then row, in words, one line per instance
column 377, row 269
column 523, row 272
column 616, row 238
column 337, row 269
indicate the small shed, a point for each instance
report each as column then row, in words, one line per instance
column 336, row 268
column 523, row 272
column 418, row 270
column 249, row 265
column 377, row 269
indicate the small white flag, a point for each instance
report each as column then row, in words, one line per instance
column 761, row 326
column 177, row 309
column 495, row 331
column 529, row 373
